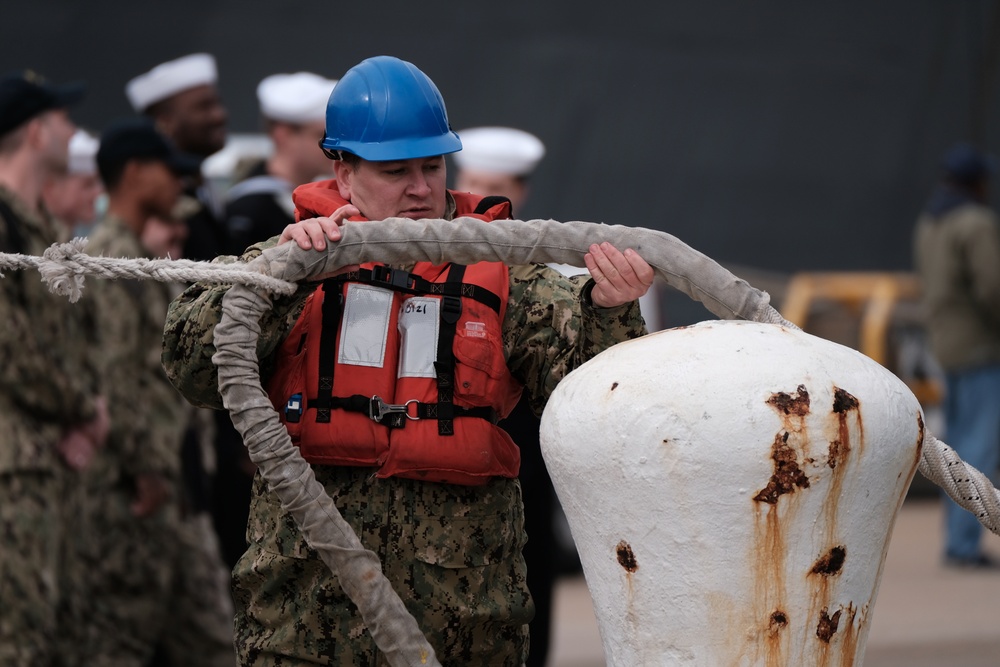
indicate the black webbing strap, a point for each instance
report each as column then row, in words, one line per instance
column 402, row 281
column 398, row 415
column 430, row 411
column 444, row 365
column 327, row 350
column 452, row 291
column 488, row 202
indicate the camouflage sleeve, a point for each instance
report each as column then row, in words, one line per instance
column 551, row 327
column 119, row 360
column 159, row 435
column 41, row 355
column 188, row 343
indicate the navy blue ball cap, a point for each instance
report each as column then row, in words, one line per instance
column 138, row 139
column 25, row 94
column 967, row 164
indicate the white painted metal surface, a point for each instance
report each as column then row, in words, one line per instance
column 731, row 487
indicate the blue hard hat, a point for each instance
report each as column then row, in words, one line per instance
column 385, row 108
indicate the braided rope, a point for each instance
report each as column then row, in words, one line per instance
column 966, row 485
column 64, row 265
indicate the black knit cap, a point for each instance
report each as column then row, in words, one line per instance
column 25, row 94
column 138, row 139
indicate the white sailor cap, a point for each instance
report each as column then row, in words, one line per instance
column 82, row 153
column 499, row 150
column 294, row 98
column 170, row 78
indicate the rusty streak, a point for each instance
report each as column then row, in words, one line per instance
column 827, row 626
column 626, row 558
column 842, row 401
column 797, row 405
column 840, row 448
column 787, row 474
column 831, row 563
column 920, row 433
column 779, row 620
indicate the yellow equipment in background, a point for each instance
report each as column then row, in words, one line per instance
column 876, row 300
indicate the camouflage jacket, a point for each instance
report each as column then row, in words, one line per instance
column 550, row 328
column 147, row 414
column 47, row 383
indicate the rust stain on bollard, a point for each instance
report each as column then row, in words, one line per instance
column 846, row 438
column 920, row 440
column 770, row 550
column 787, row 473
column 797, row 405
column 849, row 637
column 626, row 558
column 831, row 563
column 840, row 447
column 843, row 401
column 827, row 625
column 779, row 621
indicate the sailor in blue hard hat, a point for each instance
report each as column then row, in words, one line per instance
column 391, row 379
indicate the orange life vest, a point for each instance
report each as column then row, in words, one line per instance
column 402, row 371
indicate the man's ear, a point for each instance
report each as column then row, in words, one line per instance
column 279, row 132
column 344, row 173
column 34, row 132
column 131, row 173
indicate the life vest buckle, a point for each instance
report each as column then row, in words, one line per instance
column 378, row 409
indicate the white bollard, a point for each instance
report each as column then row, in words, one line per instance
column 731, row 488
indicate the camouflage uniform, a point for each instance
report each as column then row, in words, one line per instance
column 46, row 387
column 140, row 569
column 453, row 553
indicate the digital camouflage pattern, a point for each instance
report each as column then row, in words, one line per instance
column 148, row 417
column 452, row 553
column 151, row 580
column 46, row 381
column 47, row 385
column 29, row 574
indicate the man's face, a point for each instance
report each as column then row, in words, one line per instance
column 164, row 236
column 195, row 119
column 157, row 185
column 55, row 131
column 71, row 198
column 486, row 183
column 302, row 144
column 412, row 188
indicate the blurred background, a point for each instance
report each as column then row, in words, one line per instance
column 774, row 136
column 795, row 143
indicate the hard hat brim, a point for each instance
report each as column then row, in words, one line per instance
column 399, row 149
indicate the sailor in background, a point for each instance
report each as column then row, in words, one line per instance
column 293, row 109
column 182, row 98
column 499, row 161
